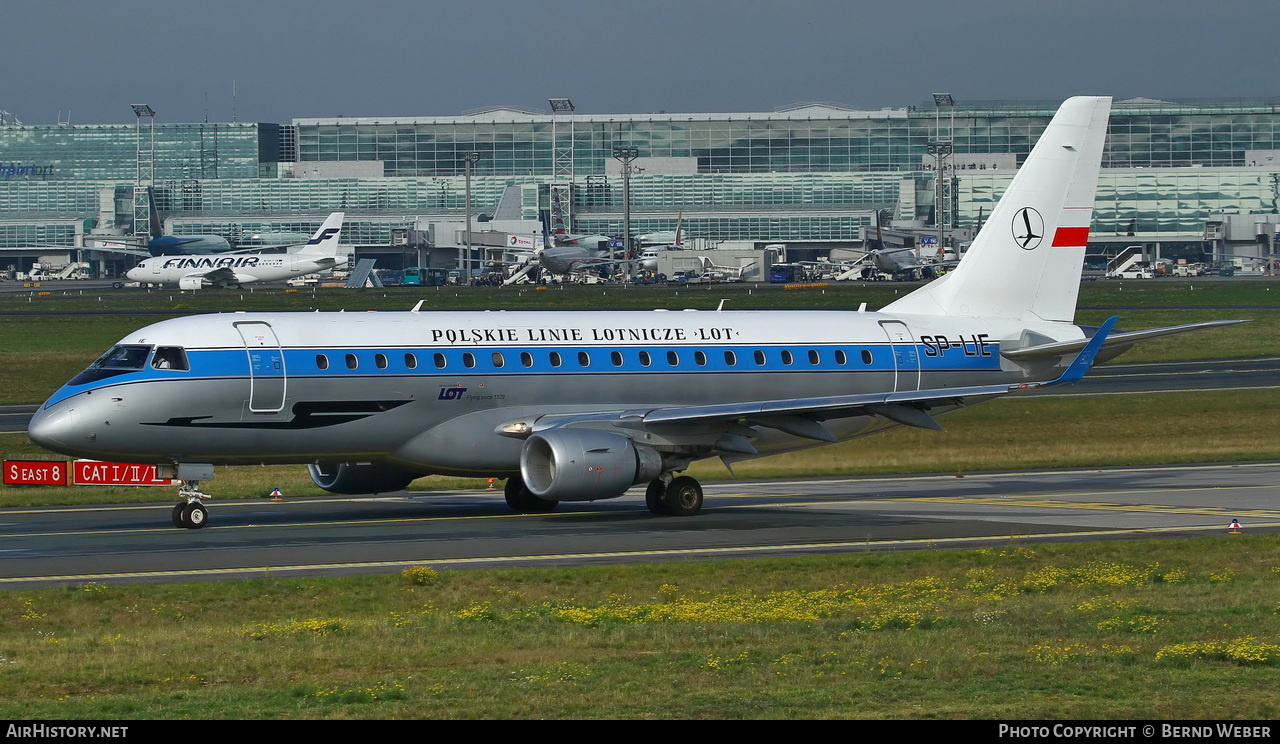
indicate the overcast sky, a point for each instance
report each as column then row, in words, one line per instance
column 89, row 59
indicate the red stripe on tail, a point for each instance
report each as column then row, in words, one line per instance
column 1071, row 237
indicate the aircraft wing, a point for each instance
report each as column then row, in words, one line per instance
column 727, row 427
column 212, row 276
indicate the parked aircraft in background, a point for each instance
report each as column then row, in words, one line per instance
column 897, row 262
column 159, row 243
column 237, row 269
column 579, row 406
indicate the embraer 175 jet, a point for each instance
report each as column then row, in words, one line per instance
column 231, row 270
column 579, row 406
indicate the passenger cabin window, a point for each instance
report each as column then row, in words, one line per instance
column 439, row 360
column 645, row 359
column 469, row 360
column 673, row 358
column 352, row 362
column 616, row 358
column 554, row 358
column 170, row 357
column 841, row 358
column 866, row 356
column 380, row 360
column 814, row 359
column 526, row 359
column 700, row 358
column 759, row 356
column 786, row 357
column 411, row 361
column 322, row 361
column 498, row 360
column 584, row 359
column 730, row 358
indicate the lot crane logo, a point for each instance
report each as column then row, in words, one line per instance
column 1028, row 228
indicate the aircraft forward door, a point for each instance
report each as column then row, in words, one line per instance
column 906, row 358
column 266, row 367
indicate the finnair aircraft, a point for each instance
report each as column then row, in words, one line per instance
column 579, row 406
column 231, row 270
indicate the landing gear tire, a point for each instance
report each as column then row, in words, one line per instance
column 683, row 497
column 521, row 499
column 190, row 515
column 653, row 498
column 195, row 515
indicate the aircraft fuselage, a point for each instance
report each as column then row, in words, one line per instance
column 427, row 390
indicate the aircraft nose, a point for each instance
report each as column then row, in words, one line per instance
column 131, row 274
column 52, row 427
column 61, row 428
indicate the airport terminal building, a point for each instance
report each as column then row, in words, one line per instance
column 1179, row 177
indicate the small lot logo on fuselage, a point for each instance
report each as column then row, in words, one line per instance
column 451, row 393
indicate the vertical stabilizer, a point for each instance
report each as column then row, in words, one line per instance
column 1026, row 261
column 326, row 238
column 155, row 228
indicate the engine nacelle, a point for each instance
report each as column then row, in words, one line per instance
column 349, row 478
column 585, row 464
column 191, row 282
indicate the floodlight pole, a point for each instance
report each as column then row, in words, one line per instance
column 626, row 155
column 146, row 158
column 470, row 160
column 942, row 150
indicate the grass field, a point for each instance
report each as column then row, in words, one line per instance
column 1181, row 629
column 1172, row 629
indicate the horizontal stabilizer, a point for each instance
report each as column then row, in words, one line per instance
column 1062, row 348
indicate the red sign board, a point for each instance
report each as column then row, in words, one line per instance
column 35, row 473
column 95, row 473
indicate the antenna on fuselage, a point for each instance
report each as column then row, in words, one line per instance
column 418, row 306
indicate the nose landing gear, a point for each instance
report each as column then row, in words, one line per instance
column 190, row 513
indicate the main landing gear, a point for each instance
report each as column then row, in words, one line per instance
column 190, row 513
column 678, row 497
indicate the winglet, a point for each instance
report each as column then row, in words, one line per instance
column 1084, row 360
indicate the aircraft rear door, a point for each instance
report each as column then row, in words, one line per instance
column 906, row 358
column 266, row 367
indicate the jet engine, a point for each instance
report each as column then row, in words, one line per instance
column 350, row 478
column 585, row 464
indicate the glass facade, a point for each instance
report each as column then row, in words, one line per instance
column 812, row 173
column 811, row 139
column 89, row 152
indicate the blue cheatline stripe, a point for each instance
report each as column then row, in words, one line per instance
column 233, row 363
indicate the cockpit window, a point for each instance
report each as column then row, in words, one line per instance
column 123, row 356
column 118, row 360
column 170, row 357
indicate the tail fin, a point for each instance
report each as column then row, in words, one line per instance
column 326, row 238
column 1025, row 262
column 156, row 229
